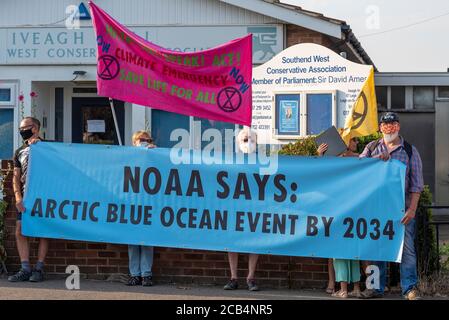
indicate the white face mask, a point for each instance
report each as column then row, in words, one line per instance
column 389, row 137
column 144, row 144
column 248, row 147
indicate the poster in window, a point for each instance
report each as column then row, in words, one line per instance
column 288, row 116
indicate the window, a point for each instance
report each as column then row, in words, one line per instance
column 227, row 141
column 443, row 92
column 6, row 133
column 382, row 97
column 287, row 115
column 303, row 114
column 397, row 97
column 5, row 95
column 162, row 125
column 319, row 112
column 423, row 98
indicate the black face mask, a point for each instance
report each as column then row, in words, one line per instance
column 26, row 134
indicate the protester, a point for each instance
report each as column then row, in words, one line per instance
column 247, row 141
column 141, row 257
column 29, row 130
column 343, row 271
column 393, row 146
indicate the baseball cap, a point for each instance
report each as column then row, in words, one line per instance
column 389, row 117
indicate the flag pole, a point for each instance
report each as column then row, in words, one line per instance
column 117, row 130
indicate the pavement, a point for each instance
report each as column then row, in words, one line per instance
column 54, row 289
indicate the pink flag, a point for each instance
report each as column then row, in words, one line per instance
column 213, row 84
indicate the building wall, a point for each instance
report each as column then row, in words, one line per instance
column 131, row 12
column 419, row 129
column 101, row 260
column 98, row 260
column 442, row 153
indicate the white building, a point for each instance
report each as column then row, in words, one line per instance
column 38, row 53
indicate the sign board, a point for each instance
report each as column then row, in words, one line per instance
column 51, row 45
column 304, row 69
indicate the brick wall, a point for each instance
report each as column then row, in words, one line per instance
column 101, row 260
column 297, row 34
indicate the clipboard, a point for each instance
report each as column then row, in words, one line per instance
column 332, row 138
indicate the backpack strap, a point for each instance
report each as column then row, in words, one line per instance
column 408, row 149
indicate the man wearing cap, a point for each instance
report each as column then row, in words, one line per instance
column 393, row 146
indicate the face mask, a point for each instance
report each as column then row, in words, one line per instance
column 26, row 134
column 144, row 144
column 389, row 137
column 247, row 147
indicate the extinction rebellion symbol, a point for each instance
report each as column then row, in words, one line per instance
column 229, row 99
column 358, row 117
column 108, row 67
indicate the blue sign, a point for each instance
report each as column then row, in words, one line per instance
column 318, row 207
column 287, row 114
column 84, row 13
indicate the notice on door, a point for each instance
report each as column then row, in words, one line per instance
column 96, row 126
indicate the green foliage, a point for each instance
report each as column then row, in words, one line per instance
column 302, row 147
column 444, row 254
column 363, row 141
column 3, row 207
column 426, row 238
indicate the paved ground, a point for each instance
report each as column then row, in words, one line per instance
column 107, row 290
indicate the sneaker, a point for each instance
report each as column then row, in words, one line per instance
column 252, row 286
column 371, row 294
column 231, row 285
column 22, row 275
column 147, row 281
column 412, row 294
column 134, row 281
column 37, row 276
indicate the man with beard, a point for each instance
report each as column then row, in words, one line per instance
column 393, row 146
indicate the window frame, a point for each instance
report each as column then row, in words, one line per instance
column 303, row 112
column 12, row 104
column 11, row 101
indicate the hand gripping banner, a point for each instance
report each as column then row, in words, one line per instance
column 316, row 207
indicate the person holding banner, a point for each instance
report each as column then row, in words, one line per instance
column 342, row 270
column 141, row 257
column 393, row 146
column 29, row 130
column 247, row 141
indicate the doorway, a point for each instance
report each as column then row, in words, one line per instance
column 93, row 123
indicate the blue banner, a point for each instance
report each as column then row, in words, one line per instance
column 317, row 207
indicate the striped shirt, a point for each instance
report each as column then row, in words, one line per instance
column 414, row 182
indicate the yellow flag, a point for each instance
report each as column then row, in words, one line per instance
column 362, row 120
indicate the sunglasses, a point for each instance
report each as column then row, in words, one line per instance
column 26, row 127
column 149, row 140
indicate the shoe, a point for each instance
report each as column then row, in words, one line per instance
column 330, row 290
column 134, row 281
column 355, row 294
column 147, row 281
column 231, row 285
column 22, row 275
column 371, row 294
column 340, row 294
column 37, row 276
column 252, row 286
column 412, row 294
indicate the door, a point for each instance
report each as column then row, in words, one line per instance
column 92, row 121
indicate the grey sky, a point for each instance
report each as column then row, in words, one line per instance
column 423, row 47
